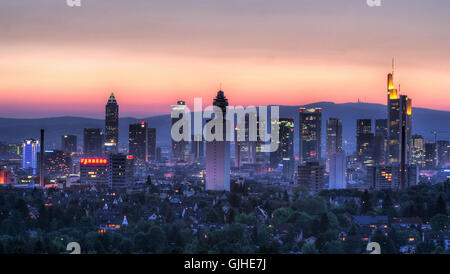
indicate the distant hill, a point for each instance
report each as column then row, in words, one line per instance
column 424, row 121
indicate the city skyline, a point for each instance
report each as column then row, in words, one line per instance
column 256, row 50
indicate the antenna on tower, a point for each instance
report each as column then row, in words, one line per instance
column 393, row 65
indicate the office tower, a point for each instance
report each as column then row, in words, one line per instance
column 365, row 141
column 69, row 143
column 284, row 155
column 442, row 153
column 197, row 148
column 381, row 141
column 111, row 125
column 94, row 171
column 338, row 168
column 158, row 154
column 218, row 154
column 310, row 130
column 388, row 177
column 311, row 176
column 334, row 138
column 245, row 151
column 57, row 163
column 180, row 149
column 93, row 142
column 399, row 127
column 15, row 149
column 418, row 151
column 151, row 144
column 120, row 170
column 30, row 151
column 430, row 156
column 138, row 141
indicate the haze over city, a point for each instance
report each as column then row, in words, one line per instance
column 153, row 53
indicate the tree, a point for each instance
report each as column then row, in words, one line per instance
column 439, row 222
column 441, row 207
column 309, row 248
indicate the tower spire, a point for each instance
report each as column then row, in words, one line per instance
column 393, row 65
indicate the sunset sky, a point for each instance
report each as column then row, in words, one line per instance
column 56, row 60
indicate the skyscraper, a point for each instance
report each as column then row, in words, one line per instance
column 218, row 154
column 400, row 125
column 334, row 138
column 310, row 130
column 138, row 141
column 112, row 125
column 93, row 142
column 197, row 149
column 180, row 149
column 442, row 153
column 69, row 143
column 284, row 155
column 311, row 176
column 364, row 141
column 338, row 167
column 381, row 141
column 245, row 151
column 430, row 156
column 30, row 151
column 151, row 143
column 418, row 151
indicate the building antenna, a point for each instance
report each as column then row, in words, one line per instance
column 393, row 65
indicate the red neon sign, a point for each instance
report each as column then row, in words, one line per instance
column 93, row 161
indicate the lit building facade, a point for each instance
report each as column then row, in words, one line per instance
column 30, row 151
column 334, row 139
column 418, row 151
column 138, row 142
column 111, row 125
column 310, row 129
column 218, row 154
column 284, row 155
column 180, row 149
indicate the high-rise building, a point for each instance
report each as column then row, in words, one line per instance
column 284, row 155
column 442, row 153
column 30, row 150
column 400, row 126
column 93, row 142
column 197, row 148
column 94, row 171
column 365, row 141
column 311, row 176
column 334, row 138
column 388, row 177
column 310, row 129
column 57, row 163
column 381, row 141
column 338, row 166
column 138, row 142
column 112, row 125
column 180, row 149
column 120, row 171
column 418, row 151
column 218, row 154
column 152, row 144
column 69, row 143
column 430, row 156
column 245, row 150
